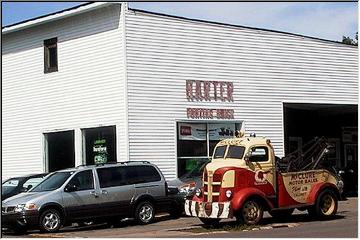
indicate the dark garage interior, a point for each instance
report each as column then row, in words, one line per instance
column 60, row 150
column 337, row 122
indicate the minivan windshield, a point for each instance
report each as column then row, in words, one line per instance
column 54, row 181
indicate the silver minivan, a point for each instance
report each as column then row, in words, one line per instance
column 90, row 193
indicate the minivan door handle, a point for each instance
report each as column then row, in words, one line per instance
column 104, row 192
column 94, row 193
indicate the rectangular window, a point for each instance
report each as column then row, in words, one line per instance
column 83, row 181
column 259, row 154
column 100, row 145
column 196, row 142
column 50, row 55
column 112, row 177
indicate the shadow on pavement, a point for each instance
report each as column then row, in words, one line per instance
column 97, row 226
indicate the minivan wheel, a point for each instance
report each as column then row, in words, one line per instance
column 50, row 221
column 145, row 213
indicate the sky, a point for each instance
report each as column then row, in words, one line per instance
column 326, row 20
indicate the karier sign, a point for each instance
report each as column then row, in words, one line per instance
column 198, row 91
column 209, row 91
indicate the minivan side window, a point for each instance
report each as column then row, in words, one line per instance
column 111, row 177
column 148, row 174
column 142, row 174
column 83, row 180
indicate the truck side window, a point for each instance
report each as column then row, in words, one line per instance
column 259, row 154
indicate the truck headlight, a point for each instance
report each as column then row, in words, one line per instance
column 228, row 193
column 198, row 192
column 340, row 185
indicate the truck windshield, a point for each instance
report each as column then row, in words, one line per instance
column 54, row 181
column 219, row 152
column 235, row 152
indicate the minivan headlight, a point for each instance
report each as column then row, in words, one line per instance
column 27, row 206
column 19, row 208
column 187, row 188
column 30, row 206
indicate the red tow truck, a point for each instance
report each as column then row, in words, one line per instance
column 244, row 179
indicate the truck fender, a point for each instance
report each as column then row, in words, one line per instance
column 318, row 188
column 246, row 193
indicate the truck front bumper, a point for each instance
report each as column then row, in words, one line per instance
column 208, row 209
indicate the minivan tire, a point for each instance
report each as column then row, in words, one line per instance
column 50, row 221
column 145, row 212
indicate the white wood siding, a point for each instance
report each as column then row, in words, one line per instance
column 267, row 69
column 87, row 91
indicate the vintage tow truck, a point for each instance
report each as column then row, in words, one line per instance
column 244, row 179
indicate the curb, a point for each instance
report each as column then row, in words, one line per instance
column 273, row 226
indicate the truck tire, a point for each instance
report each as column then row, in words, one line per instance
column 251, row 213
column 281, row 213
column 210, row 221
column 145, row 212
column 326, row 205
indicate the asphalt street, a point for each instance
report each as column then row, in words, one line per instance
column 344, row 225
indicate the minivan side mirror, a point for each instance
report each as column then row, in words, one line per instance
column 70, row 188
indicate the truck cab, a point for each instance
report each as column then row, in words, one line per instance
column 243, row 181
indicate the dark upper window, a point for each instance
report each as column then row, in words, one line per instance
column 50, row 55
column 83, row 180
column 259, row 154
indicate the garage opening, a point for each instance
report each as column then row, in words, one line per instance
column 60, row 150
column 337, row 122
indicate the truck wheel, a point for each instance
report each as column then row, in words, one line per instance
column 50, row 221
column 326, row 205
column 251, row 213
column 145, row 213
column 210, row 221
column 281, row 214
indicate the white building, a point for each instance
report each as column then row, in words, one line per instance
column 102, row 81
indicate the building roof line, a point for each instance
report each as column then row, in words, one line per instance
column 54, row 16
column 93, row 5
column 238, row 26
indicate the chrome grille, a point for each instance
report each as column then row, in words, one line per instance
column 212, row 187
column 7, row 209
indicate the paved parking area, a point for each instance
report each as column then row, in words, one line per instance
column 300, row 225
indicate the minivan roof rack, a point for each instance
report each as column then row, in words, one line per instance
column 103, row 164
